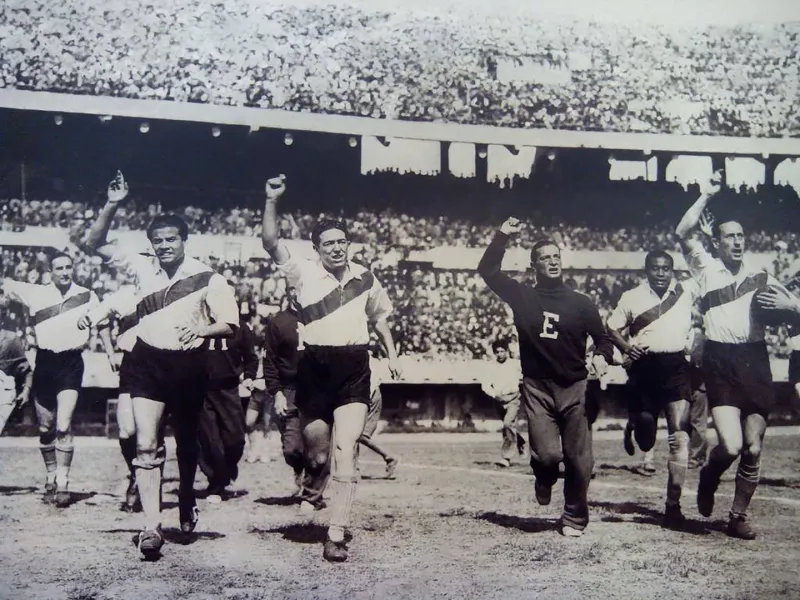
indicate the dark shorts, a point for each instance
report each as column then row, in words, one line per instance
column 124, row 374
column 329, row 377
column 373, row 415
column 55, row 372
column 168, row 376
column 794, row 367
column 739, row 375
column 656, row 380
column 260, row 401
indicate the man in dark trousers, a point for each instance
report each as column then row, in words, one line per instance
column 553, row 326
column 281, row 353
column 222, row 435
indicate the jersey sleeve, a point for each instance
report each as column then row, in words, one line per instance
column 379, row 306
column 293, row 269
column 621, row 316
column 697, row 258
column 20, row 291
column 221, row 301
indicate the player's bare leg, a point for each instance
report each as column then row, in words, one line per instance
column 728, row 425
column 66, row 401
column 391, row 461
column 317, row 449
column 747, row 475
column 127, row 445
column 348, row 424
column 46, row 420
column 148, row 416
column 678, row 427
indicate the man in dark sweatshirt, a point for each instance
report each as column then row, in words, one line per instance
column 553, row 324
column 281, row 355
column 222, row 421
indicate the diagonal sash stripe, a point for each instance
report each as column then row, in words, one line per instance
column 51, row 311
column 128, row 322
column 647, row 317
column 729, row 293
column 154, row 302
column 336, row 299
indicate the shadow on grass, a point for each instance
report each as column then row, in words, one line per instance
column 14, row 490
column 644, row 515
column 780, row 482
column 299, row 533
column 635, row 469
column 173, row 535
column 75, row 497
column 278, row 500
column 524, row 524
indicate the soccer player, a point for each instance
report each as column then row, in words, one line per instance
column 121, row 306
column 553, row 326
column 657, row 316
column 373, row 417
column 282, row 351
column 258, row 405
column 16, row 375
column 502, row 384
column 55, row 310
column 736, row 365
column 338, row 300
column 183, row 303
column 222, row 421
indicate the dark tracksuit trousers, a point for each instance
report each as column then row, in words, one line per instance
column 553, row 324
column 222, row 434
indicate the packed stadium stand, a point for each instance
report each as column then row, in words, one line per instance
column 491, row 67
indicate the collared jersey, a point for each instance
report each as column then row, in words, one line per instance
column 122, row 305
column 333, row 312
column 503, row 379
column 194, row 295
column 663, row 324
column 54, row 315
column 725, row 298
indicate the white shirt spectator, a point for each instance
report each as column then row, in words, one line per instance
column 502, row 380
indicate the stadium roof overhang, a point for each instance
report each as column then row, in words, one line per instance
column 361, row 126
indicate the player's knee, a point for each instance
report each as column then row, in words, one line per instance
column 731, row 448
column 63, row 438
column 751, row 453
column 547, row 460
column 317, row 460
column 679, row 445
column 148, row 457
column 47, row 437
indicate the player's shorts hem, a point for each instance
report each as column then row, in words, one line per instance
column 56, row 372
column 657, row 380
column 739, row 375
column 166, row 376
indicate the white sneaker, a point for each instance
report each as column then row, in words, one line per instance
column 568, row 531
column 214, row 499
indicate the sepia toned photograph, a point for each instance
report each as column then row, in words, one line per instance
column 374, row 299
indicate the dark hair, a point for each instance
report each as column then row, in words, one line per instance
column 655, row 254
column 325, row 225
column 61, row 254
column 542, row 244
column 168, row 220
column 500, row 343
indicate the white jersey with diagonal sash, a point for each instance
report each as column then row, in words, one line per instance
column 661, row 323
column 194, row 295
column 333, row 312
column 54, row 315
column 121, row 304
column 726, row 299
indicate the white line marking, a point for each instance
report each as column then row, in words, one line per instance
column 595, row 483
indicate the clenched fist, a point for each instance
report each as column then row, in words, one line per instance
column 275, row 187
column 512, row 226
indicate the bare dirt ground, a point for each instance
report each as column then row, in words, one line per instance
column 452, row 525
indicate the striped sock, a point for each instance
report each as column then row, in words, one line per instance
column 64, row 454
column 49, row 455
column 148, row 480
column 128, row 448
column 747, row 476
column 343, row 492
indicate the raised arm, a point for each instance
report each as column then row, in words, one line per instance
column 270, row 237
column 491, row 262
column 96, row 240
column 689, row 224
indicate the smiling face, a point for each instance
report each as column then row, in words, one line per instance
column 168, row 245
column 332, row 248
column 62, row 271
column 501, row 354
column 547, row 262
column 730, row 243
column 659, row 274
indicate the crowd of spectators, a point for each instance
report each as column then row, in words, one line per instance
column 497, row 68
column 438, row 313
